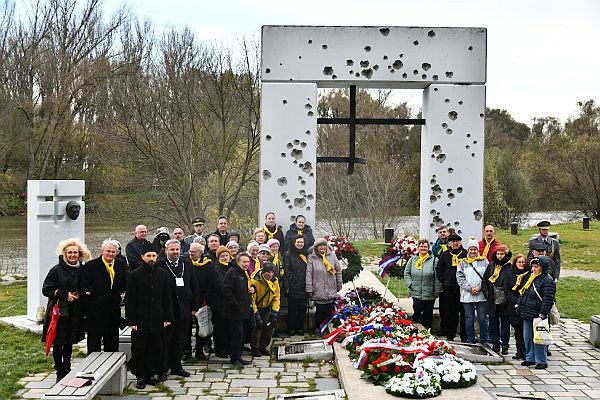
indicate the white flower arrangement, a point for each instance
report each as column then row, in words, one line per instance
column 454, row 372
column 420, row 384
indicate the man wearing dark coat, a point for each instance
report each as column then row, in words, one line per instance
column 148, row 311
column 104, row 282
column 551, row 247
column 133, row 250
column 184, row 294
column 222, row 225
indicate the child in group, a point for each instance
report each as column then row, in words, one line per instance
column 265, row 304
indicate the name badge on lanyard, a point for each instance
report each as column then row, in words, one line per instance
column 179, row 281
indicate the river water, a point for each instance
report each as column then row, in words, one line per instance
column 13, row 252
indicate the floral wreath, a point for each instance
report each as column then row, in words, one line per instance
column 344, row 250
column 395, row 256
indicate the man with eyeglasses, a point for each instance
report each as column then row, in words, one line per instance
column 545, row 245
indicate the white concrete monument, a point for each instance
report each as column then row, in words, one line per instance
column 448, row 63
column 47, row 225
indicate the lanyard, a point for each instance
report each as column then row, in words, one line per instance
column 171, row 269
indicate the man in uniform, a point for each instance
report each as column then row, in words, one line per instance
column 551, row 247
column 198, row 227
column 148, row 311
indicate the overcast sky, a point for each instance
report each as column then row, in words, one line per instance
column 543, row 56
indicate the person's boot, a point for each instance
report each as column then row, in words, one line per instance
column 200, row 355
column 256, row 353
column 519, row 355
column 504, row 350
column 187, row 354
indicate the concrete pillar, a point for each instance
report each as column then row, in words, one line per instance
column 47, row 226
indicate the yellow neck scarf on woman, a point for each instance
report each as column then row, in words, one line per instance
column 496, row 274
column 269, row 233
column 470, row 260
column 198, row 263
column 303, row 258
column 248, row 278
column 420, row 261
column 519, row 279
column 528, row 283
column 330, row 268
column 110, row 267
column 486, row 249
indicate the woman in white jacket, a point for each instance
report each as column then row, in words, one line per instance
column 469, row 276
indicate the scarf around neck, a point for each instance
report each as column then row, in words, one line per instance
column 110, row 267
column 486, row 249
column 420, row 261
column 519, row 279
column 270, row 235
column 528, row 283
column 330, row 268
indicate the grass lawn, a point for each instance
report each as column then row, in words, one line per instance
column 577, row 298
column 21, row 353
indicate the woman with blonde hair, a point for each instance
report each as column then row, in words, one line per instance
column 62, row 285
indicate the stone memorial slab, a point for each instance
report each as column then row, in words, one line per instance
column 323, row 395
column 314, row 349
column 475, row 352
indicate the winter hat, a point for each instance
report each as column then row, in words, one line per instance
column 473, row 242
column 264, row 247
column 454, row 236
column 232, row 243
column 268, row 267
column 273, row 241
column 149, row 248
column 253, row 243
column 162, row 229
column 222, row 249
column 319, row 242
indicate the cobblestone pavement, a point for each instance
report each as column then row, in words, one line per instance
column 216, row 378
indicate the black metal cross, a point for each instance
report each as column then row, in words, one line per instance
column 352, row 122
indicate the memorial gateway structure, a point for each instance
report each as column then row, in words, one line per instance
column 449, row 64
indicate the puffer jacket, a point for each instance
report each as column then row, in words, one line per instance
column 467, row 278
column 321, row 286
column 513, row 294
column 422, row 284
column 295, row 274
column 263, row 297
column 530, row 306
column 488, row 287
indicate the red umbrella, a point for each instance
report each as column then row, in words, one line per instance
column 51, row 333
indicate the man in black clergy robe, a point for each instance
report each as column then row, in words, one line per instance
column 148, row 311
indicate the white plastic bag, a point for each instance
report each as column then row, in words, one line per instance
column 204, row 317
column 541, row 332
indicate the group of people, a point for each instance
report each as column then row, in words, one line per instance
column 163, row 284
column 486, row 282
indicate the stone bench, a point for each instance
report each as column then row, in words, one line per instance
column 595, row 329
column 125, row 342
column 110, row 373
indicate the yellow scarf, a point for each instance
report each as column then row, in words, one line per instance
column 271, row 285
column 111, row 270
column 444, row 247
column 299, row 232
column 270, row 234
column 198, row 263
column 455, row 259
column 519, row 279
column 486, row 249
column 278, row 264
column 470, row 260
column 420, row 261
column 248, row 278
column 303, row 258
column 528, row 283
column 330, row 268
column 496, row 274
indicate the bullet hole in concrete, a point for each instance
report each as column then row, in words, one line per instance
column 310, row 197
column 299, row 57
column 453, row 115
column 268, row 70
column 300, row 202
column 307, row 132
column 364, row 64
column 416, row 42
column 424, row 76
column 446, row 100
column 280, row 64
column 444, row 125
column 334, row 76
column 367, row 48
column 375, row 67
column 425, row 66
column 456, row 223
column 451, row 196
column 481, row 115
column 299, row 178
column 283, row 155
column 437, row 149
column 392, row 71
column 284, row 195
column 266, row 174
column 303, row 183
column 289, row 146
column 435, row 89
column 303, row 145
column 474, row 141
column 291, row 207
column 297, row 154
column 468, row 135
column 357, row 75
column 435, row 77
column 307, row 209
column 367, row 73
column 433, row 156
column 460, row 102
column 309, row 41
column 310, row 114
column 459, row 232
column 448, row 190
column 312, row 174
column 440, row 158
column 302, row 192
column 397, row 64
column 415, row 72
column 433, row 176
column 282, row 181
column 405, row 75
column 385, row 57
column 384, row 31
column 268, row 137
column 324, row 47
column 431, row 225
column 287, row 201
column 450, row 170
column 296, row 142
column 349, row 63
column 431, row 33
column 448, row 204
column 295, row 162
column 478, row 215
column 467, row 147
column 351, row 71
column 449, row 74
column 459, row 189
column 432, row 199
column 328, row 70
column 449, row 131
column 436, row 189
column 284, row 101
column 472, row 154
column 401, row 55
column 307, row 168
column 470, row 48
column 433, row 181
column 308, row 106
column 438, row 221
